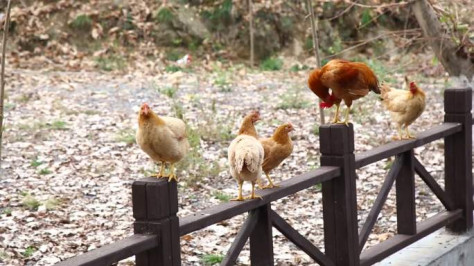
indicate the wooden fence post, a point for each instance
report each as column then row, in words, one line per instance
column 341, row 239
column 458, row 156
column 405, row 188
column 155, row 204
column 261, row 241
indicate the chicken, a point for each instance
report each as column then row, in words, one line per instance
column 245, row 155
column 348, row 81
column 405, row 106
column 162, row 138
column 276, row 149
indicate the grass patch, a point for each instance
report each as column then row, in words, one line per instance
column 293, row 100
column 52, row 203
column 45, row 171
column 28, row 251
column 110, row 62
column 222, row 81
column 7, row 211
column 168, row 91
column 196, row 166
column 35, row 162
column 164, row 15
column 82, row 22
column 271, row 64
column 315, row 130
column 211, row 259
column 173, row 68
column 127, row 136
column 296, row 68
column 174, row 55
column 57, row 125
column 221, row 196
column 29, row 202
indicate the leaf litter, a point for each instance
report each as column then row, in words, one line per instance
column 69, row 145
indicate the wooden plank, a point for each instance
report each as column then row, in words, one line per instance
column 379, row 202
column 397, row 147
column 240, row 239
column 261, row 240
column 114, row 252
column 139, row 199
column 158, row 206
column 397, row 242
column 342, row 133
column 458, row 156
column 340, row 199
column 433, row 185
column 405, row 189
column 228, row 210
column 300, row 241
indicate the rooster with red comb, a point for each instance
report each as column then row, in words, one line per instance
column 348, row 81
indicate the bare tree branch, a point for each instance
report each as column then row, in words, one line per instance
column 448, row 52
column 2, row 80
column 251, row 33
column 314, row 28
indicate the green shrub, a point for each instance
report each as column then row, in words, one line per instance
column 271, row 64
column 211, row 259
column 173, row 68
column 164, row 15
column 81, row 22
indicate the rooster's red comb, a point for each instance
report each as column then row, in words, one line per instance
column 325, row 105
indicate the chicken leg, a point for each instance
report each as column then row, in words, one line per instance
column 270, row 183
column 399, row 130
column 253, row 195
column 335, row 120
column 239, row 198
column 172, row 175
column 161, row 173
column 346, row 119
column 408, row 134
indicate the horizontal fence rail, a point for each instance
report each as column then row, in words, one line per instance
column 228, row 210
column 397, row 147
column 155, row 202
column 114, row 252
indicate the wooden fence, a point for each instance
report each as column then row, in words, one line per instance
column 158, row 229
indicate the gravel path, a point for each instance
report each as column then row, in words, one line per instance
column 69, row 158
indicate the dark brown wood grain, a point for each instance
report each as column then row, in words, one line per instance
column 433, row 185
column 300, row 241
column 397, row 242
column 261, row 240
column 114, row 252
column 159, row 218
column 405, row 195
column 339, row 197
column 240, row 239
column 228, row 210
column 379, row 202
column 458, row 156
column 397, row 147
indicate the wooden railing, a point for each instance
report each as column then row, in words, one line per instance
column 158, row 229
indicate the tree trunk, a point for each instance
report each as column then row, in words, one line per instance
column 444, row 47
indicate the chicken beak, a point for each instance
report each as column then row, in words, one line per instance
column 145, row 109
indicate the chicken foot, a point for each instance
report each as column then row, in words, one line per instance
column 346, row 119
column 239, row 198
column 161, row 173
column 270, row 183
column 408, row 134
column 400, row 136
column 253, row 195
column 335, row 120
column 172, row 175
